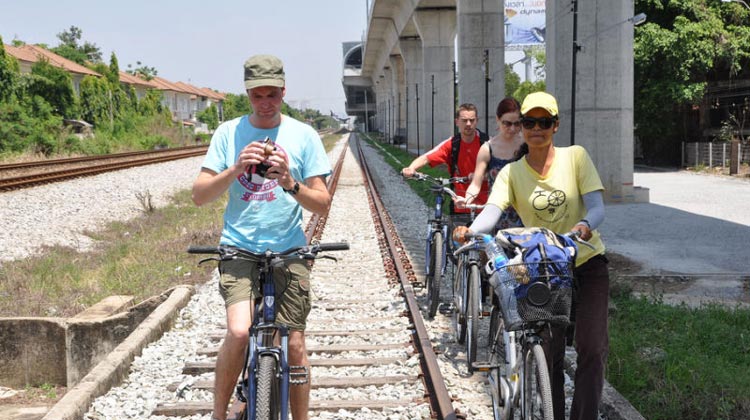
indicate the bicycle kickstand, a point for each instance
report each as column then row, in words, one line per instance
column 298, row 375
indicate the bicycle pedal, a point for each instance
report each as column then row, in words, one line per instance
column 484, row 366
column 446, row 308
column 296, row 377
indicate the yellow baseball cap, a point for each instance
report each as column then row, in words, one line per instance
column 539, row 100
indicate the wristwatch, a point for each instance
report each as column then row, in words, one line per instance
column 294, row 190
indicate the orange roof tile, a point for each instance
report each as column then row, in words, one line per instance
column 164, row 84
column 190, row 88
column 213, row 94
column 135, row 80
column 33, row 53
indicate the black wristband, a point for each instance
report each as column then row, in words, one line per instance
column 584, row 222
column 294, row 190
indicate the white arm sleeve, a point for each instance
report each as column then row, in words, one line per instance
column 486, row 220
column 594, row 203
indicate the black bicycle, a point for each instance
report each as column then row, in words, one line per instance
column 266, row 374
column 437, row 247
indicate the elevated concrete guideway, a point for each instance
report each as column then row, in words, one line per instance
column 400, row 79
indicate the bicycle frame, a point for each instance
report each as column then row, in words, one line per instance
column 436, row 224
column 264, row 330
column 261, row 342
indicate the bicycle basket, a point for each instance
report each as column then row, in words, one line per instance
column 534, row 292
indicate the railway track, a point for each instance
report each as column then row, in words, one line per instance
column 28, row 174
column 370, row 353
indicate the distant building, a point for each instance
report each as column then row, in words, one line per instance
column 183, row 100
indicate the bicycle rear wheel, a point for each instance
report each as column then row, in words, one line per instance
column 536, row 392
column 267, row 404
column 472, row 315
column 436, row 270
column 460, row 278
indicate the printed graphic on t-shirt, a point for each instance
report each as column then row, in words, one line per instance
column 258, row 188
column 550, row 206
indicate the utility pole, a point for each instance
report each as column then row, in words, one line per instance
column 455, row 96
column 432, row 118
column 576, row 48
column 416, row 88
column 486, row 92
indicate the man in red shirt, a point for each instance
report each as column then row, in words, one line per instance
column 468, row 141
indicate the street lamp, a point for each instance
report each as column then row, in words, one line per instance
column 736, row 1
column 635, row 20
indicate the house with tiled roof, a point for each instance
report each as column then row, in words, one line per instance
column 175, row 98
column 184, row 100
column 141, row 86
column 28, row 54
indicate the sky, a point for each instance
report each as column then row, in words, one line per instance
column 205, row 43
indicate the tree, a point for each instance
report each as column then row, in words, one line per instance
column 9, row 73
column 512, row 80
column 685, row 45
column 69, row 47
column 210, row 117
column 142, row 71
column 55, row 86
column 235, row 106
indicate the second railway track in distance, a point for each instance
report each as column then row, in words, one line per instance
column 28, row 174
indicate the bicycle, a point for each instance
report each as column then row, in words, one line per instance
column 467, row 294
column 527, row 298
column 266, row 374
column 436, row 246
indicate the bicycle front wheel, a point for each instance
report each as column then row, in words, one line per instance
column 436, row 271
column 472, row 316
column 460, row 281
column 267, row 404
column 536, row 391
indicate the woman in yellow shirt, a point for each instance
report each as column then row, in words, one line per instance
column 559, row 188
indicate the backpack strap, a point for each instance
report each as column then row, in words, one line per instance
column 455, row 148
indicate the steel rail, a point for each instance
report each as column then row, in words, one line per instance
column 440, row 398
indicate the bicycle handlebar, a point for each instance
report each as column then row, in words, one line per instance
column 226, row 252
column 419, row 176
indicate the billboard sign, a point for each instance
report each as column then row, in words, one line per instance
column 525, row 23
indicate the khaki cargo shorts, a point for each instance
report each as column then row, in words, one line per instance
column 239, row 282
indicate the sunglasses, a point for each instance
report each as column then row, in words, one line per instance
column 509, row 124
column 545, row 123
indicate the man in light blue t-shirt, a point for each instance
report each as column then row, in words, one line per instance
column 264, row 212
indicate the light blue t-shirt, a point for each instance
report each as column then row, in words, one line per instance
column 260, row 215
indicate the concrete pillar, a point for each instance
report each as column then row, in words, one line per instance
column 437, row 28
column 480, row 29
column 411, row 51
column 604, row 86
column 399, row 95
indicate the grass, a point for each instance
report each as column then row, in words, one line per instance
column 669, row 362
column 679, row 362
column 399, row 158
column 142, row 257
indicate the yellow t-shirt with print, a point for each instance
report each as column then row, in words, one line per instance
column 554, row 201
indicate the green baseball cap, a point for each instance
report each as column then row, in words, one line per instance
column 263, row 70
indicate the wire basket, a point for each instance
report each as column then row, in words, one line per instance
column 534, row 292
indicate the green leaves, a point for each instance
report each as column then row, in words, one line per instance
column 685, row 47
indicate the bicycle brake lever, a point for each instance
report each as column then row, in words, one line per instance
column 328, row 257
column 210, row 259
